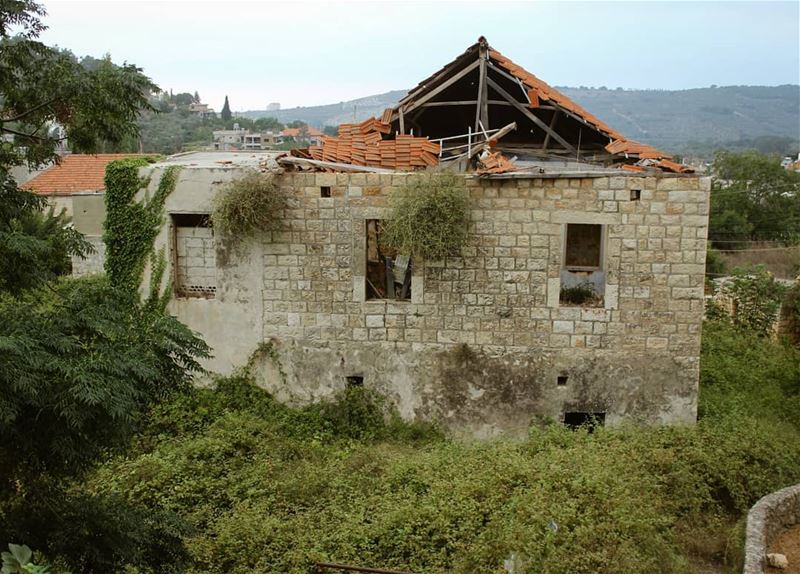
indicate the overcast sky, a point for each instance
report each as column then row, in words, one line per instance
column 308, row 53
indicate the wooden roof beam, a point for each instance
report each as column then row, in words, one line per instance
column 528, row 114
column 412, row 105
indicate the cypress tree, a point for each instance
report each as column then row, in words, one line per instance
column 226, row 111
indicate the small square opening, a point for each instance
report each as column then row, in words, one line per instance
column 561, row 380
column 636, row 194
column 325, row 191
column 355, row 381
column 576, row 420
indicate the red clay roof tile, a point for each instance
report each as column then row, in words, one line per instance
column 75, row 173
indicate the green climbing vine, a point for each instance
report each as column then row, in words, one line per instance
column 131, row 226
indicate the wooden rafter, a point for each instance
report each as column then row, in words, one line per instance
column 528, row 114
column 413, row 104
column 552, row 127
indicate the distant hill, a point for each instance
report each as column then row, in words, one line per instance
column 682, row 121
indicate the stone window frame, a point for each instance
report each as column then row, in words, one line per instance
column 359, row 261
column 563, row 218
column 172, row 237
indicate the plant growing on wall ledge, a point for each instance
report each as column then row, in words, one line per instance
column 428, row 217
column 252, row 203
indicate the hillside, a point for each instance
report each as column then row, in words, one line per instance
column 678, row 120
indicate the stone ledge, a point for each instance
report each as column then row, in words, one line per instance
column 768, row 517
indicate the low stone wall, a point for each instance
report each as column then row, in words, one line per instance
column 768, row 518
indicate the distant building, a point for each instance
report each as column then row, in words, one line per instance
column 202, row 110
column 242, row 139
column 273, row 107
column 308, row 133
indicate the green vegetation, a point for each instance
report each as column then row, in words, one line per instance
column 81, row 361
column 581, row 294
column 429, row 217
column 249, row 204
column 225, row 114
column 753, row 197
column 258, row 486
column 756, row 298
column 131, row 226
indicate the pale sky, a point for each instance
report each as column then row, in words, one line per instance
column 310, row 53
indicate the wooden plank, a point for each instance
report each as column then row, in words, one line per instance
column 483, row 53
column 527, row 113
column 468, row 103
column 552, row 127
column 495, row 136
column 331, row 165
column 511, row 77
column 402, row 121
column 481, row 84
column 412, row 105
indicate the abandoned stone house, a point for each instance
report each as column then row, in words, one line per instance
column 580, row 292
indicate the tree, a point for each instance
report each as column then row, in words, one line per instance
column 196, row 97
column 225, row 114
column 753, row 197
column 42, row 87
column 80, row 360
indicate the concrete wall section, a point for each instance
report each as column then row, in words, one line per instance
column 484, row 338
column 232, row 321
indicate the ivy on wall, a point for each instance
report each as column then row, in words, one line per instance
column 131, row 226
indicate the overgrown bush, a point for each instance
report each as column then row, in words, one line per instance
column 269, row 488
column 255, row 202
column 790, row 315
column 756, row 297
column 429, row 217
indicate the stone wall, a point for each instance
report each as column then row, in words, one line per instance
column 483, row 341
column 93, row 262
column 766, row 520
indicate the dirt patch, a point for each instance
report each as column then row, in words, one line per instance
column 788, row 544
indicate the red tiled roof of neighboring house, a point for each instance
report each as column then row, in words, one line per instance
column 295, row 132
column 75, row 173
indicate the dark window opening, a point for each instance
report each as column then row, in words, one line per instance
column 583, row 250
column 561, row 380
column 589, row 420
column 636, row 194
column 388, row 272
column 355, row 381
column 325, row 191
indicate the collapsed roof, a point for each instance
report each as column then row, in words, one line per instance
column 480, row 108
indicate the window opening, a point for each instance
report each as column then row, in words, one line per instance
column 636, row 194
column 325, row 191
column 388, row 272
column 194, row 255
column 582, row 277
column 591, row 421
column 583, row 246
column 561, row 380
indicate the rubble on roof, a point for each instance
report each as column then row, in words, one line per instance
column 454, row 117
column 494, row 162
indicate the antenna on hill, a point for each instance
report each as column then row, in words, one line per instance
column 354, row 112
